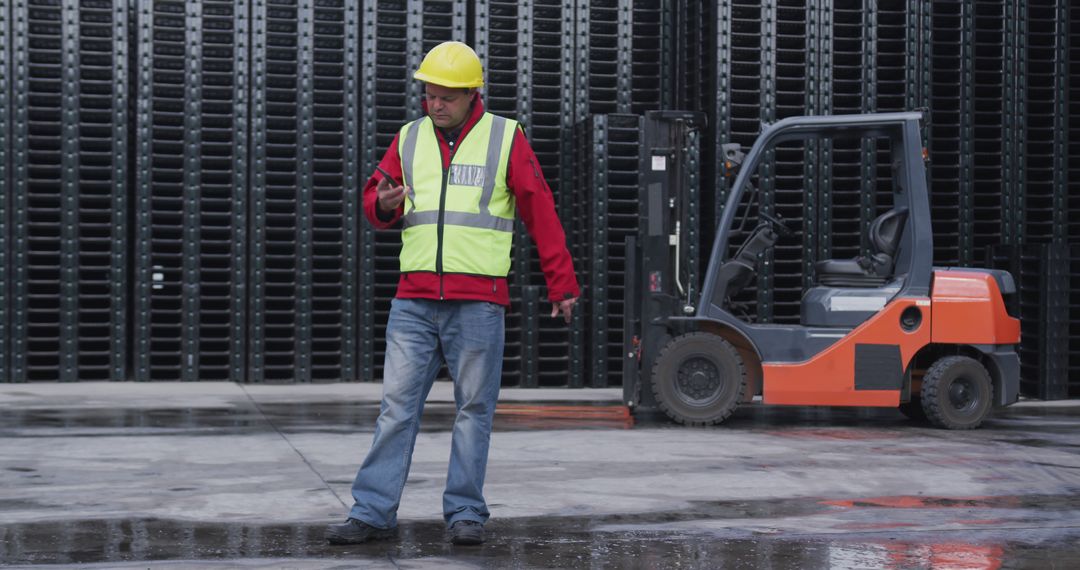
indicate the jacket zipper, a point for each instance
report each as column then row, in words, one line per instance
column 439, row 232
column 442, row 212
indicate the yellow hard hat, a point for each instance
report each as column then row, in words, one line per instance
column 451, row 64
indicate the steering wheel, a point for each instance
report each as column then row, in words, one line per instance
column 777, row 224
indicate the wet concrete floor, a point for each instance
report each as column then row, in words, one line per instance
column 250, row 479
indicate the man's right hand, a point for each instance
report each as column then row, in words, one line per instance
column 390, row 196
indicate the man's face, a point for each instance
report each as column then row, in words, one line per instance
column 448, row 107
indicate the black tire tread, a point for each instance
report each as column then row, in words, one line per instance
column 932, row 401
column 673, row 413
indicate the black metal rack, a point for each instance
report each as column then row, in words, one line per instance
column 1073, row 134
column 69, row 158
column 1044, row 139
column 304, row 192
column 525, row 48
column 607, row 212
column 395, row 35
column 847, row 202
column 181, row 284
column 792, row 180
column 191, row 191
column 6, row 346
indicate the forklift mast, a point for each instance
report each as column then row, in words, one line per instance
column 662, row 261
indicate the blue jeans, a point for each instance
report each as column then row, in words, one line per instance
column 419, row 335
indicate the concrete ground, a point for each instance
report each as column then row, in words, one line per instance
column 215, row 475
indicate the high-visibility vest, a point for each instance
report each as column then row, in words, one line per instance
column 459, row 220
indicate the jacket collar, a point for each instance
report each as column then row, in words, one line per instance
column 475, row 112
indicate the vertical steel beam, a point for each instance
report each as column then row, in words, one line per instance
column 459, row 21
column 368, row 160
column 530, row 336
column 598, row 267
column 691, row 160
column 1060, row 198
column 192, row 194
column 19, row 187
column 767, row 173
column 414, row 54
column 825, row 97
column 1015, row 136
column 522, row 251
column 481, row 34
column 967, row 134
column 722, row 108
column 257, row 252
column 305, row 15
column 569, row 113
column 525, row 66
column 624, row 57
column 813, row 168
column 868, row 150
column 143, row 190
column 351, row 191
column 119, row 219
column 241, row 99
column 567, row 109
column 668, row 90
column 69, row 192
column 5, row 192
column 581, row 61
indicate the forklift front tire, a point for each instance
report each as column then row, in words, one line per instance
column 957, row 393
column 698, row 379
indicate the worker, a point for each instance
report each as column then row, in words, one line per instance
column 455, row 179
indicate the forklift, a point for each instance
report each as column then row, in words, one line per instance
column 883, row 329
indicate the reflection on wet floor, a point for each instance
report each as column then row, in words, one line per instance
column 348, row 417
column 551, row 543
column 352, row 417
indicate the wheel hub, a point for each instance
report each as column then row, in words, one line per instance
column 962, row 395
column 698, row 381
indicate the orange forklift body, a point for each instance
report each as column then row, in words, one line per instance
column 964, row 308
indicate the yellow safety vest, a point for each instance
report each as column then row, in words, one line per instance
column 459, row 220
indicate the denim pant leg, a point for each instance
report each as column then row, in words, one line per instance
column 412, row 361
column 473, row 340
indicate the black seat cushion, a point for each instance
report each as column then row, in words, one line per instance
column 873, row 270
column 846, row 273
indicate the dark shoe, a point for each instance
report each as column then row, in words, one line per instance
column 353, row 531
column 467, row 532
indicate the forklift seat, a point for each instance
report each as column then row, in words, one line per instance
column 875, row 269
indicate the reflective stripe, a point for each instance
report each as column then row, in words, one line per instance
column 466, row 219
column 498, row 125
column 407, row 155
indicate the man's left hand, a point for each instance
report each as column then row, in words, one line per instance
column 566, row 307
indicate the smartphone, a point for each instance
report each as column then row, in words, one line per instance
column 385, row 174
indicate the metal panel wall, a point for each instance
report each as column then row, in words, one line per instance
column 69, row 190
column 304, row 191
column 191, row 190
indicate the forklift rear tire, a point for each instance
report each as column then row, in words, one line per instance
column 957, row 393
column 698, row 379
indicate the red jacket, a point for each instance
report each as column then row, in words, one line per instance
column 535, row 207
